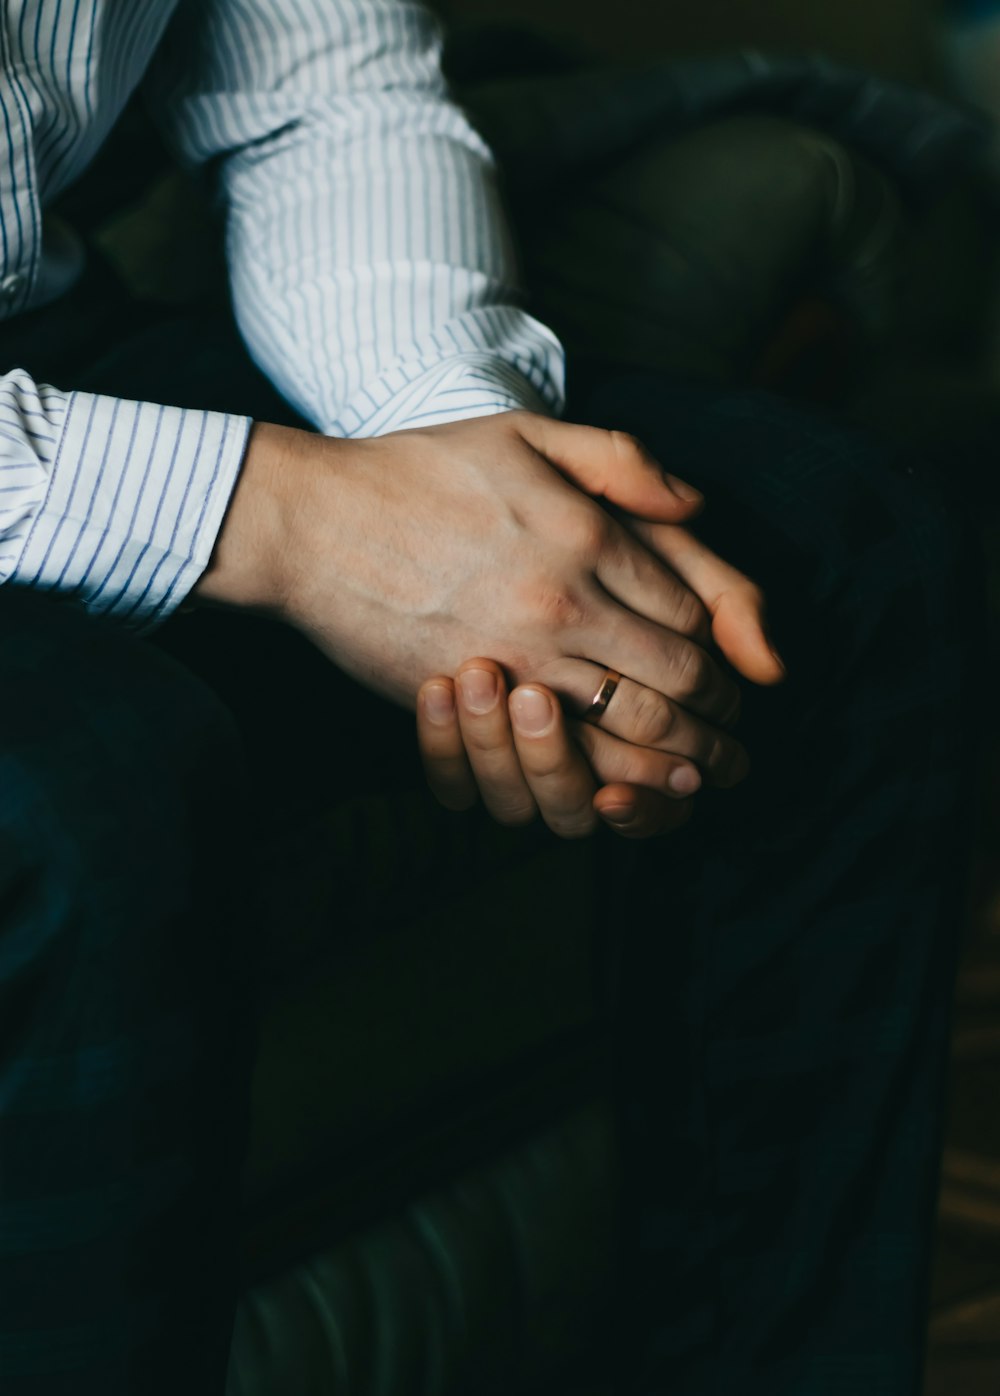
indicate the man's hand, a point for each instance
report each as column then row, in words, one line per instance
column 735, row 604
column 402, row 555
column 519, row 754
column 474, row 743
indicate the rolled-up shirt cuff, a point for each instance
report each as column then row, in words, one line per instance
column 526, row 374
column 135, row 500
column 473, row 386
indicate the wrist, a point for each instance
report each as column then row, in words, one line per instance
column 250, row 563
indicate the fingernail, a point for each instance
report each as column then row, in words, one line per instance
column 479, row 690
column 772, row 647
column 439, row 702
column 532, row 711
column 683, row 490
column 685, row 780
column 618, row 814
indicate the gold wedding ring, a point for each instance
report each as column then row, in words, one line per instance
column 603, row 696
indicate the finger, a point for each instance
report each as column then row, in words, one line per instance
column 735, row 603
column 441, row 750
column 614, row 761
column 643, row 718
column 636, row 813
column 656, row 657
column 611, row 465
column 481, row 700
column 630, row 573
column 556, row 772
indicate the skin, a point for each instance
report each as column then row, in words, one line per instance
column 524, row 756
column 402, row 555
column 552, row 770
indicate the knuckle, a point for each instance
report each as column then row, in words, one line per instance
column 548, row 766
column 623, row 443
column 694, row 672
column 483, row 744
column 644, row 768
column 753, row 594
column 561, row 607
column 691, row 618
column 651, row 718
column 749, row 596
column 586, row 530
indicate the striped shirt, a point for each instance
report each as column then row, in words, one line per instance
column 370, row 268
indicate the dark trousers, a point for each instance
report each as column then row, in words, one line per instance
column 786, row 961
column 786, row 999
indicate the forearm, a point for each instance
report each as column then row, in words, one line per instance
column 372, row 272
column 397, row 321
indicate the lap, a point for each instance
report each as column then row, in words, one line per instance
column 874, row 596
column 96, row 726
column 121, row 827
column 868, row 562
column 124, row 1033
column 788, row 958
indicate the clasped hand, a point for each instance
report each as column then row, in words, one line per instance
column 556, row 550
column 522, row 753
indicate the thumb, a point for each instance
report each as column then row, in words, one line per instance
column 735, row 603
column 614, row 466
column 740, row 631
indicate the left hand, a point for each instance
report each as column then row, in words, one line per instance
column 519, row 754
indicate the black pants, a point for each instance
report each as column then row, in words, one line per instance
column 786, row 960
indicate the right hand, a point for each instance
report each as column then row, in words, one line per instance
column 401, row 555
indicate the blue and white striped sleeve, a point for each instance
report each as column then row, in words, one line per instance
column 371, row 268
column 117, row 503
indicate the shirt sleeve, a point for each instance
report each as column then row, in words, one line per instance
column 116, row 503
column 371, row 269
